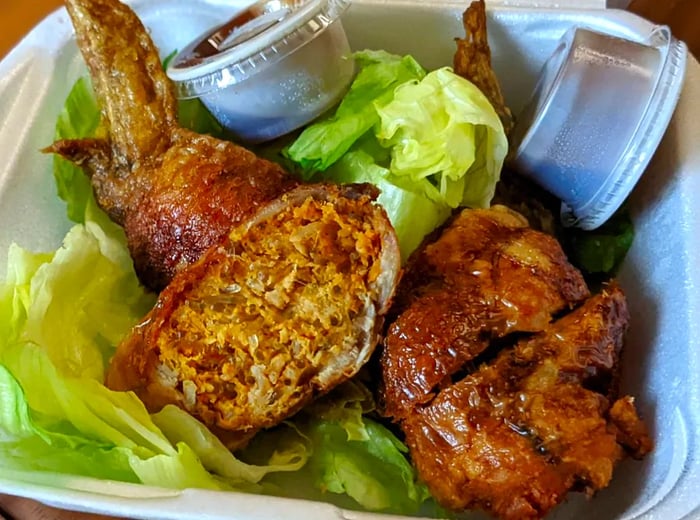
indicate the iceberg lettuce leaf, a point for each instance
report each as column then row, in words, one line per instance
column 46, row 293
column 323, row 143
column 180, row 470
column 443, row 128
column 375, row 472
column 26, row 445
column 79, row 118
column 93, row 411
column 181, row 428
column 354, row 461
column 357, row 456
column 430, row 142
column 15, row 291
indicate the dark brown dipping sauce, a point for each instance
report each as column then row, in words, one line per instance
column 207, row 46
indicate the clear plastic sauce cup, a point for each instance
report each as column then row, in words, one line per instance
column 271, row 69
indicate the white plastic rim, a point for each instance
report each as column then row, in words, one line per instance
column 240, row 62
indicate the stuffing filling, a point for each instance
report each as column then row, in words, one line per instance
column 277, row 316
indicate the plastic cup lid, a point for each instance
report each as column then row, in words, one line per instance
column 258, row 37
column 595, row 91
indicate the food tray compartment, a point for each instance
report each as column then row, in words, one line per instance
column 661, row 362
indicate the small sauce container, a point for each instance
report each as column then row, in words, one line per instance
column 271, row 69
column 598, row 113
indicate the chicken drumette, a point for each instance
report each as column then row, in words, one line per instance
column 175, row 192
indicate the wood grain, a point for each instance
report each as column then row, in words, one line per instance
column 15, row 508
column 18, row 17
column 683, row 16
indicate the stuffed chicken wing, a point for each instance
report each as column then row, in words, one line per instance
column 290, row 305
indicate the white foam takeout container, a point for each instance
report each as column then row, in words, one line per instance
column 660, row 275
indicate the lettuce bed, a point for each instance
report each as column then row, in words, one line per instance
column 430, row 141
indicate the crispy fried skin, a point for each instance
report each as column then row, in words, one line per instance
column 632, row 432
column 289, row 306
column 516, row 435
column 519, row 432
column 472, row 60
column 488, row 275
column 175, row 192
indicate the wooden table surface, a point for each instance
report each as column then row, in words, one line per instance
column 683, row 16
column 19, row 16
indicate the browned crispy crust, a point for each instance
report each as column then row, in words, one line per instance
column 516, row 435
column 472, row 60
column 175, row 192
column 289, row 306
column 632, row 432
column 488, row 275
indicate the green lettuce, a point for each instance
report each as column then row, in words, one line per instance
column 79, row 118
column 180, row 427
column 46, row 293
column 443, row 128
column 354, row 461
column 26, row 445
column 78, row 426
column 61, row 316
column 430, row 142
column 601, row 251
column 357, row 456
column 323, row 143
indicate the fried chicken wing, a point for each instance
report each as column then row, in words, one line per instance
column 513, row 431
column 488, row 275
column 175, row 192
column 289, row 306
column 515, row 436
column 472, row 60
column 631, row 431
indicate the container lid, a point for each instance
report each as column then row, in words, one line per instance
column 597, row 114
column 253, row 40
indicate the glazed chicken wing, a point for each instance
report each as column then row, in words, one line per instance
column 516, row 435
column 487, row 276
column 290, row 305
column 175, row 192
